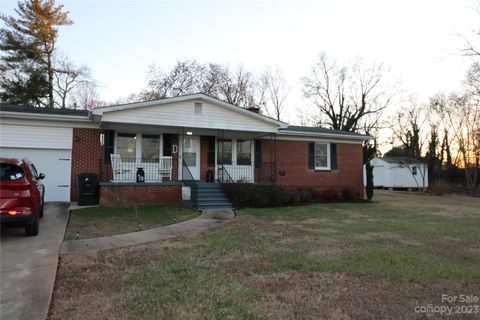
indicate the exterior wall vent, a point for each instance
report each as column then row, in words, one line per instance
column 198, row 107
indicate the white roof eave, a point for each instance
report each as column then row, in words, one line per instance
column 44, row 116
column 325, row 135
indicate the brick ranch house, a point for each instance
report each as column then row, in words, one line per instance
column 187, row 140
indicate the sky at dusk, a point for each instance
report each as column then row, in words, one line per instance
column 418, row 40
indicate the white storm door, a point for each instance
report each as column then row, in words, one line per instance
column 191, row 155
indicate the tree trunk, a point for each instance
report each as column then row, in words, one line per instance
column 50, row 81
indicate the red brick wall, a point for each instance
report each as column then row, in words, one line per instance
column 204, row 167
column 292, row 157
column 86, row 155
column 128, row 195
column 174, row 159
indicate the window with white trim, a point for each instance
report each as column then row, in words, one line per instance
column 127, row 145
column 225, row 151
column 244, row 152
column 150, row 147
column 322, row 156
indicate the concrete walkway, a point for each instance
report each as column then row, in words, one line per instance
column 205, row 221
column 29, row 265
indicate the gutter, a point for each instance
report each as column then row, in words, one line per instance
column 326, row 135
column 44, row 116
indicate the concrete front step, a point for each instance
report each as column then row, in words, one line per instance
column 212, row 198
column 208, row 192
column 209, row 189
column 213, row 203
column 209, row 196
column 213, row 207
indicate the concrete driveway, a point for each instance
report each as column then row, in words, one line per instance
column 29, row 265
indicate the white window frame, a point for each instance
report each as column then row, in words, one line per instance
column 236, row 152
column 329, row 156
column 138, row 143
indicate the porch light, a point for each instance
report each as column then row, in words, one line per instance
column 189, row 133
column 102, row 139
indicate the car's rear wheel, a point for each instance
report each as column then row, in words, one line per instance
column 32, row 228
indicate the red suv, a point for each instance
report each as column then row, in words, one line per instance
column 21, row 194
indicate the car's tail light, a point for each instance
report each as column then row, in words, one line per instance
column 18, row 187
column 25, row 211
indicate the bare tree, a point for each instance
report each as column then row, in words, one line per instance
column 408, row 129
column 67, row 77
column 471, row 45
column 306, row 117
column 438, row 121
column 236, row 86
column 346, row 96
column 463, row 117
column 275, row 92
column 131, row 98
column 86, row 96
column 184, row 78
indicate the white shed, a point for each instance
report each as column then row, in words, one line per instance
column 398, row 172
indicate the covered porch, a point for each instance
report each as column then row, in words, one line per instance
column 177, row 154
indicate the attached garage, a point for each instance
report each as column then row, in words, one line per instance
column 48, row 148
column 46, row 140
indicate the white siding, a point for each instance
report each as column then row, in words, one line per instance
column 35, row 137
column 402, row 177
column 183, row 114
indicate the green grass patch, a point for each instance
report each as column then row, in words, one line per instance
column 183, row 289
column 99, row 222
column 403, row 265
column 403, row 237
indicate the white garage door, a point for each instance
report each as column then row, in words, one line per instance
column 49, row 149
column 55, row 164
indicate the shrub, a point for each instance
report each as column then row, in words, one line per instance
column 300, row 196
column 350, row 195
column 330, row 195
column 244, row 195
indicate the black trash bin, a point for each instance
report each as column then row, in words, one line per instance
column 210, row 176
column 88, row 189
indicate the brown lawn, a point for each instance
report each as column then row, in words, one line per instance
column 324, row 261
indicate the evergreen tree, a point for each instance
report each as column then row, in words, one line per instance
column 369, row 187
column 28, row 45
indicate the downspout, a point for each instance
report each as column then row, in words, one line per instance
column 272, row 159
column 275, row 150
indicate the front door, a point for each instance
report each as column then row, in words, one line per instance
column 191, row 155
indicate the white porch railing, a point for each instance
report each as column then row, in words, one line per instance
column 125, row 169
column 236, row 172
